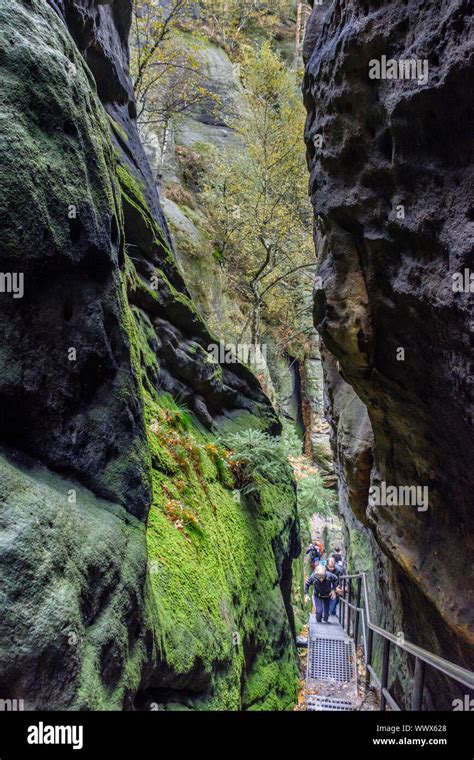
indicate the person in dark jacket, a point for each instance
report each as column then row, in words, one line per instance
column 338, row 572
column 314, row 553
column 337, row 555
column 323, row 583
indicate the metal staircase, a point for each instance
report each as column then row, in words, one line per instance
column 331, row 677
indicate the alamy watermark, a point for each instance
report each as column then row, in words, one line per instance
column 399, row 496
column 399, row 68
column 466, row 704
column 463, row 282
column 13, row 283
column 46, row 734
column 12, row 705
column 246, row 353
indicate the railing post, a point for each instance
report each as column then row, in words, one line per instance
column 358, row 595
column 370, row 639
column 418, row 683
column 384, row 679
column 349, row 600
column 341, row 604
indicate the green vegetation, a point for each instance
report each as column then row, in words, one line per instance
column 215, row 557
column 167, row 68
column 214, row 579
column 257, row 200
column 258, row 457
column 223, row 508
column 313, row 498
column 250, row 245
column 234, row 22
column 192, row 595
column 133, row 194
column 92, row 545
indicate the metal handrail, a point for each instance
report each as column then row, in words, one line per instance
column 422, row 656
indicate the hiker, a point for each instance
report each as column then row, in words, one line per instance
column 336, row 590
column 314, row 553
column 337, row 556
column 322, row 581
column 333, row 568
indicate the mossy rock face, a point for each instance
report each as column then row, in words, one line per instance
column 216, row 393
column 131, row 572
column 67, row 638
column 219, row 576
column 69, row 394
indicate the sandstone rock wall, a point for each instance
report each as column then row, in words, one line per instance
column 389, row 182
column 128, row 565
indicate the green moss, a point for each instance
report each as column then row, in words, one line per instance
column 359, row 556
column 132, row 188
column 133, row 194
column 243, row 421
column 118, row 129
column 214, row 579
column 145, row 341
column 68, row 551
column 182, row 299
column 214, row 560
column 213, row 573
column 46, row 84
column 270, row 685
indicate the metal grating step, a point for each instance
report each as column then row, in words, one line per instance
column 330, row 659
column 314, row 703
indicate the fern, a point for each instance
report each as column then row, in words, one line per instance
column 258, row 456
column 177, row 415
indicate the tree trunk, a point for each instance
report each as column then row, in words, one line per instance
column 298, row 28
column 255, row 326
column 166, row 131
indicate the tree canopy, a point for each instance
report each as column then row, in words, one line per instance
column 258, row 198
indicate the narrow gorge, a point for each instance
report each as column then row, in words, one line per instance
column 202, row 368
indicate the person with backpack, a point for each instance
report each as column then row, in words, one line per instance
column 323, row 583
column 337, row 556
column 314, row 553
